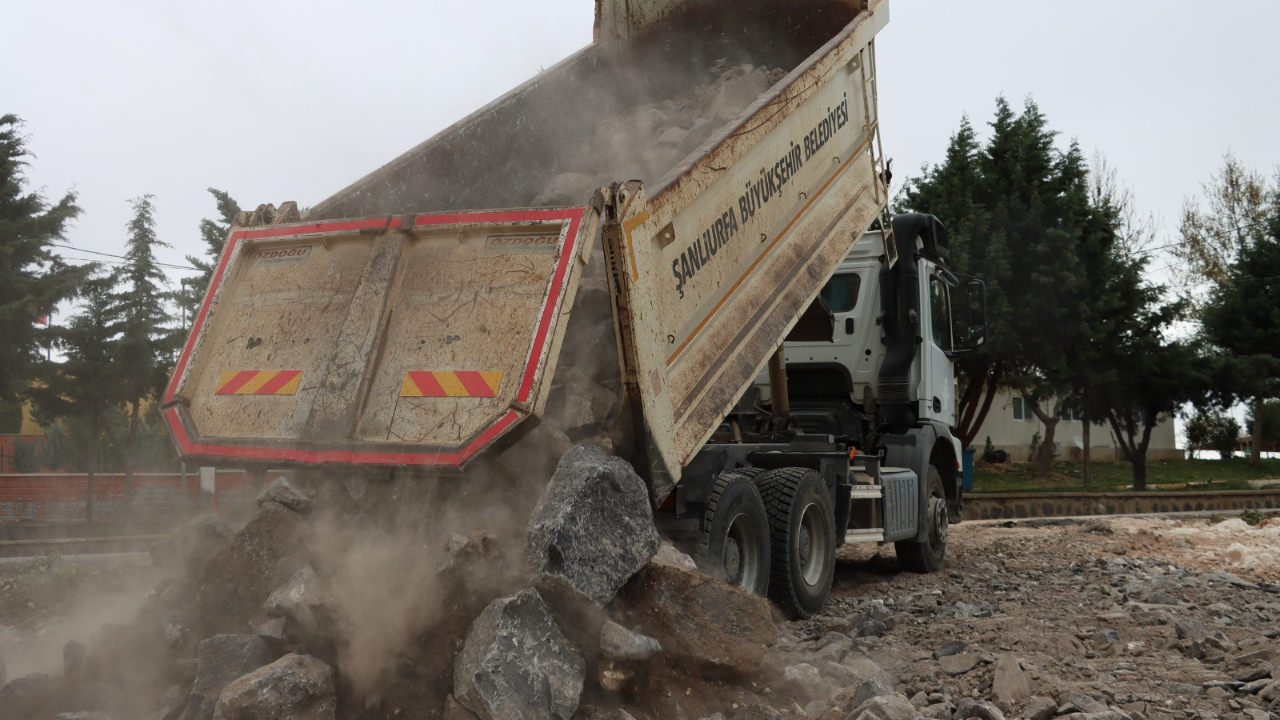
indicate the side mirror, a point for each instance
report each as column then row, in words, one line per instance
column 969, row 316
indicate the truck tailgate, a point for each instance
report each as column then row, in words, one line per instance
column 415, row 340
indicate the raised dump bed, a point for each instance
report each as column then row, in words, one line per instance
column 716, row 160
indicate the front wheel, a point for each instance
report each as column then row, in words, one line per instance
column 735, row 534
column 927, row 556
column 802, row 526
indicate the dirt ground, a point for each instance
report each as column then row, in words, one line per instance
column 1161, row 618
column 1144, row 618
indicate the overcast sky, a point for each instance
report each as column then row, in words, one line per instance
column 277, row 101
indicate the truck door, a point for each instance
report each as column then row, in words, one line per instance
column 937, row 389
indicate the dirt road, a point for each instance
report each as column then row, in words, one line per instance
column 1158, row 618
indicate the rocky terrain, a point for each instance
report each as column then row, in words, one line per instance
column 341, row 600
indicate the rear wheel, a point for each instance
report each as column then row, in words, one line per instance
column 927, row 556
column 803, row 533
column 735, row 534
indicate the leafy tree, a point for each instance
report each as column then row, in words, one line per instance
column 1019, row 212
column 1208, row 429
column 86, row 385
column 1148, row 380
column 1269, row 429
column 214, row 235
column 32, row 278
column 1210, row 239
column 146, row 344
column 1242, row 318
column 10, row 418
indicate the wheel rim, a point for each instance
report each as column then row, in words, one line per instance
column 937, row 522
column 813, row 551
column 741, row 559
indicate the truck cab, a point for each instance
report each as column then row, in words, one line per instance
column 836, row 384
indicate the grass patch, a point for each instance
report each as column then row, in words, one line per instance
column 1067, row 476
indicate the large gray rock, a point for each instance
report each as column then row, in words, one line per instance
column 885, row 707
column 878, row 685
column 619, row 643
column 223, row 658
column 241, row 574
column 27, row 697
column 287, row 494
column 302, row 600
column 978, row 711
column 187, row 548
column 702, row 623
column 1009, row 684
column 593, row 529
column 295, row 687
column 517, row 664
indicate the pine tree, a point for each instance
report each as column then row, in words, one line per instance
column 86, row 385
column 32, row 278
column 1018, row 212
column 1242, row 318
column 214, row 235
column 147, row 343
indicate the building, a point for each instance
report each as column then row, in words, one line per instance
column 1011, row 425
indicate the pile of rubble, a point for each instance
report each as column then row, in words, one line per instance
column 584, row 617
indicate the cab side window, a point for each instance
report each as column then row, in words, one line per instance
column 841, row 292
column 940, row 313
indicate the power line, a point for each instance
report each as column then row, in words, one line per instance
column 119, row 257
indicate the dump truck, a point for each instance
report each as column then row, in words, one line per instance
column 623, row 250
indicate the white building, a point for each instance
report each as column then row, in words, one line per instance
column 1011, row 426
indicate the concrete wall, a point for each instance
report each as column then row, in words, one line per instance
column 1014, row 436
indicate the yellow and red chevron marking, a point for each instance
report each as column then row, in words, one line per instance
column 259, row 382
column 451, row 383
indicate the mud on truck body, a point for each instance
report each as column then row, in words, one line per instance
column 415, row 323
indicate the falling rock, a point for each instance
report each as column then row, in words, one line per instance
column 284, row 492
column 1256, row 672
column 273, row 632
column 668, row 554
column 593, row 528
column 588, row 406
column 27, row 697
column 223, row 658
column 979, row 711
column 806, row 680
column 885, row 707
column 701, row 622
column 619, row 643
column 1009, row 684
column 186, row 549
column 1040, row 707
column 1188, row 629
column 757, row 711
column 301, row 600
column 567, row 189
column 241, row 574
column 878, row 685
column 295, row 687
column 454, row 711
column 959, row 664
column 516, row 664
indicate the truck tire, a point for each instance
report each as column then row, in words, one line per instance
column 802, row 528
column 927, row 556
column 735, row 534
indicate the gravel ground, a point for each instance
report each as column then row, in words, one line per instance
column 1123, row 617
